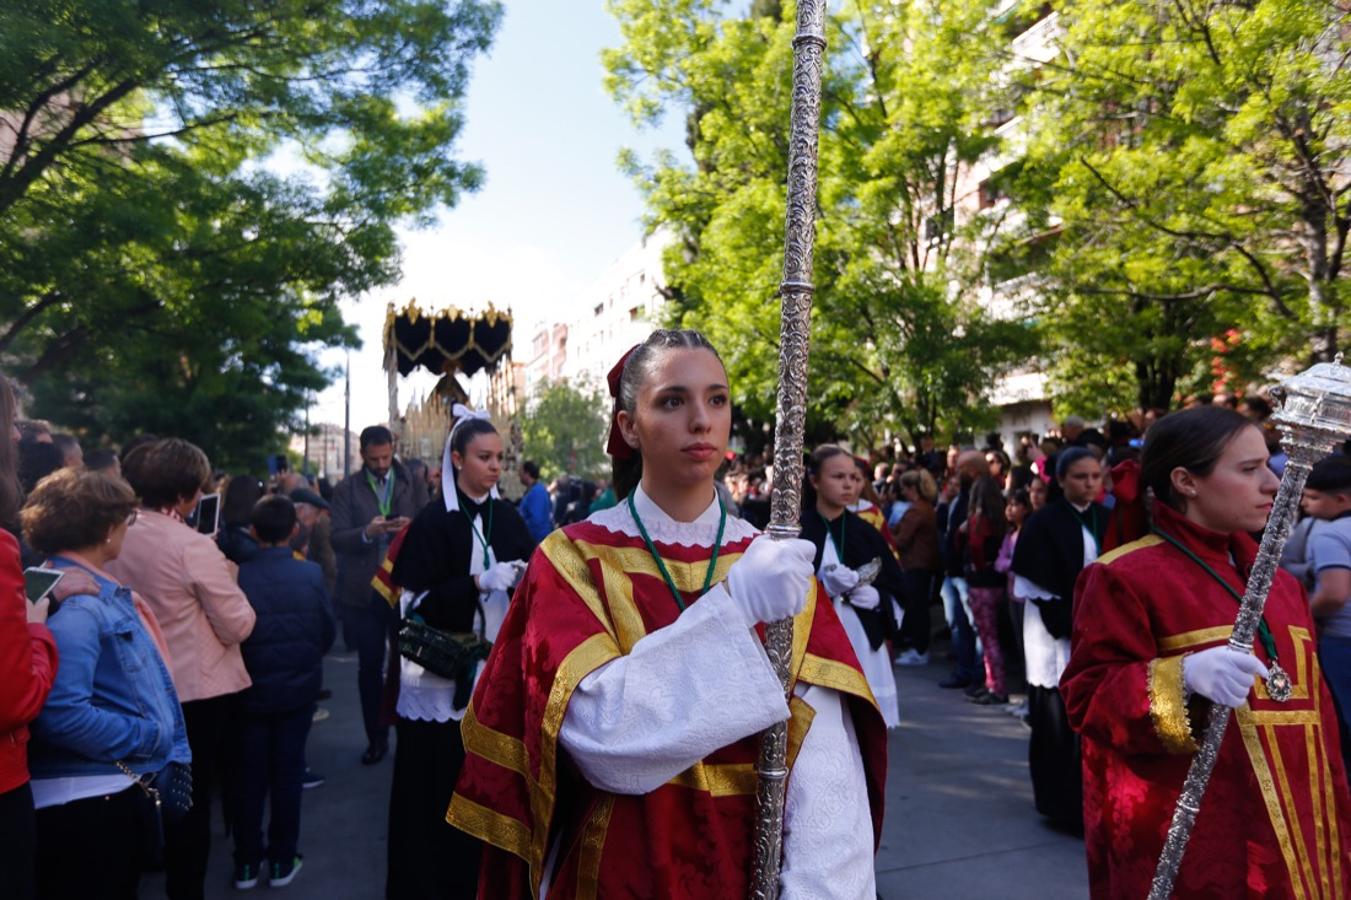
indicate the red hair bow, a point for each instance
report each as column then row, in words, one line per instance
column 616, row 446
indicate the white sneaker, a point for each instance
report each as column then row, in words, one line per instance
column 912, row 658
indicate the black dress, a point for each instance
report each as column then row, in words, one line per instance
column 428, row 858
column 1050, row 553
column 862, row 544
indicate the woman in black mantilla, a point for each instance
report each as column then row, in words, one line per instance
column 457, row 566
column 1055, row 545
column 844, row 544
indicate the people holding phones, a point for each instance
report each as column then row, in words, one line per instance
column 369, row 508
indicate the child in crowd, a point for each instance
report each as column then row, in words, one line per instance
column 1327, row 498
column 284, row 657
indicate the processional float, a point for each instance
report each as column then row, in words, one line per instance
column 809, row 46
column 1314, row 416
column 449, row 343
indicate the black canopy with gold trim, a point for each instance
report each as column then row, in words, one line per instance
column 446, row 342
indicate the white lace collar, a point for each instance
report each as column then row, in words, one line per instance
column 665, row 530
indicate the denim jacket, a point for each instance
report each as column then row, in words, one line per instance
column 112, row 698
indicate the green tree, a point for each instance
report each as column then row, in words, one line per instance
column 1196, row 161
column 155, row 271
column 902, row 339
column 565, row 428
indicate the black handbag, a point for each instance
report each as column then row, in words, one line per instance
column 451, row 655
column 168, row 797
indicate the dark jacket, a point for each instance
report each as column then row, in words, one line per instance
column 237, row 544
column 354, row 505
column 285, row 652
column 862, row 544
column 1050, row 553
column 435, row 558
column 951, row 535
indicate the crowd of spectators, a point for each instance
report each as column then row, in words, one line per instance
column 172, row 645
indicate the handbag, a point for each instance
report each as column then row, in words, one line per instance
column 450, row 655
column 168, row 796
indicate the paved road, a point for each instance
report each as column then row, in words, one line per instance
column 959, row 822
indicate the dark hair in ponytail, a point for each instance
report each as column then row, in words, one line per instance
column 464, row 432
column 1193, row 439
column 626, row 473
column 823, row 453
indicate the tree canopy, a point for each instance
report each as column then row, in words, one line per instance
column 564, row 429
column 1195, row 159
column 901, row 337
column 187, row 189
column 1160, row 198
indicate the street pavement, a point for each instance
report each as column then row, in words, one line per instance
column 960, row 822
column 959, row 819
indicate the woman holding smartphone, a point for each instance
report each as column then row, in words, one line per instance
column 27, row 666
column 112, row 713
column 191, row 588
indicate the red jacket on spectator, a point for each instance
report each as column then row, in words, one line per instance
column 27, row 666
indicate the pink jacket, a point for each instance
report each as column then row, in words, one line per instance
column 190, row 587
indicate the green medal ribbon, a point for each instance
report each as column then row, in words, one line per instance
column 1089, row 519
column 1263, row 630
column 487, row 534
column 838, row 542
column 661, row 565
column 386, row 500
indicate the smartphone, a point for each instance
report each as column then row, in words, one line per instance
column 38, row 583
column 207, row 514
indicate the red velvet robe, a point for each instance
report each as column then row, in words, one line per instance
column 587, row 598
column 1274, row 820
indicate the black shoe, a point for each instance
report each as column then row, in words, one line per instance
column 311, row 780
column 975, row 696
column 990, row 698
column 374, row 753
column 975, row 690
column 953, row 681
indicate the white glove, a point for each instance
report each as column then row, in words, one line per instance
column 1221, row 674
column 865, row 597
column 771, row 579
column 499, row 577
column 838, row 580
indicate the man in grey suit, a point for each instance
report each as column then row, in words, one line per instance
column 369, row 508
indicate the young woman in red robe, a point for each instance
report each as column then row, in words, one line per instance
column 1149, row 657
column 612, row 738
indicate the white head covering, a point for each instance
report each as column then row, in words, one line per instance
column 461, row 414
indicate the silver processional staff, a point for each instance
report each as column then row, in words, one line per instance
column 809, row 48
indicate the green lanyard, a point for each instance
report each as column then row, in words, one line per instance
column 661, row 566
column 1089, row 519
column 838, row 542
column 487, row 532
column 1263, row 630
column 385, row 500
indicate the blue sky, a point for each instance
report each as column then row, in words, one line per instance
column 554, row 211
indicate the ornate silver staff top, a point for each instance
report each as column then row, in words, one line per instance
column 1314, row 416
column 790, row 415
